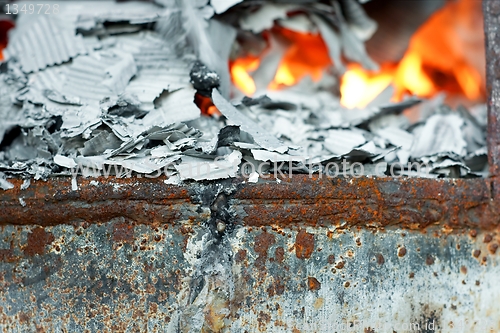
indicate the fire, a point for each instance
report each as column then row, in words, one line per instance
column 306, row 55
column 368, row 86
column 359, row 87
column 240, row 70
column 445, row 54
column 5, row 26
column 206, row 105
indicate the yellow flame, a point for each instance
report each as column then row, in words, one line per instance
column 411, row 76
column 284, row 76
column 240, row 70
column 243, row 80
column 358, row 88
column 468, row 79
column 442, row 56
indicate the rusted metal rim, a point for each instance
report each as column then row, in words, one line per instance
column 344, row 202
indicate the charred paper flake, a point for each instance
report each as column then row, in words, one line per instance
column 220, row 6
column 4, row 183
column 261, row 137
column 98, row 75
column 173, row 107
column 26, row 183
column 203, row 79
column 265, row 16
column 341, row 142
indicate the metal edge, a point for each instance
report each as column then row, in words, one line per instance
column 451, row 204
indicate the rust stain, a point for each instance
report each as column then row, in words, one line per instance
column 7, row 255
column 279, row 254
column 380, row 259
column 240, row 256
column 402, row 251
column 319, row 302
column 23, row 317
column 340, row 265
column 276, row 288
column 53, row 202
column 492, row 40
column 262, row 243
column 123, row 232
column 185, row 243
column 487, row 238
column 215, row 312
column 331, row 259
column 38, row 238
column 410, row 203
column 304, row 244
column 463, row 269
column 186, row 230
column 476, row 253
column 153, row 307
column 493, row 248
column 263, row 319
column 313, row 283
column 429, row 260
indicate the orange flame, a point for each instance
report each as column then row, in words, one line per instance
column 5, row 26
column 368, row 86
column 359, row 86
column 445, row 54
column 306, row 55
column 206, row 105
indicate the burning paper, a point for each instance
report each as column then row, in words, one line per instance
column 143, row 88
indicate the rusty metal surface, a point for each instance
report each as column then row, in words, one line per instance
column 301, row 255
column 491, row 10
column 368, row 202
column 53, row 202
column 121, row 277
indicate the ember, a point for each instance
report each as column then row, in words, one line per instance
column 5, row 26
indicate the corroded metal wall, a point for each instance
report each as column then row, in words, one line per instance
column 302, row 255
